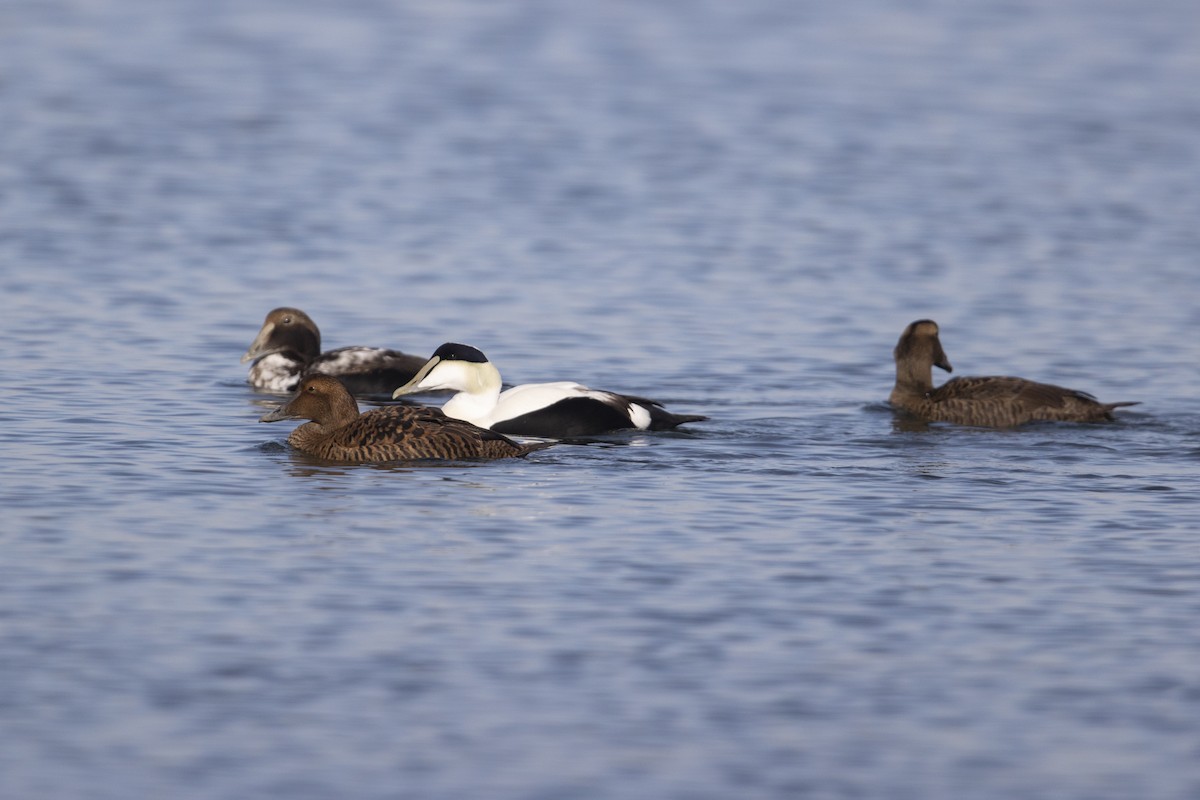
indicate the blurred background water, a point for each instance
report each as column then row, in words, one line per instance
column 732, row 207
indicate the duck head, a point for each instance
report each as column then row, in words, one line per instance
column 919, row 344
column 458, row 367
column 286, row 330
column 320, row 398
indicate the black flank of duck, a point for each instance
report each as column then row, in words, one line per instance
column 338, row 432
column 993, row 401
column 288, row 347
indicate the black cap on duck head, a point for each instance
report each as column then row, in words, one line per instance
column 452, row 351
column 459, row 357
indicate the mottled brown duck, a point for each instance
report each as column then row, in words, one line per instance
column 994, row 401
column 288, row 347
column 338, row 432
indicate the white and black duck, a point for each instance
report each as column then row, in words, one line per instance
column 551, row 410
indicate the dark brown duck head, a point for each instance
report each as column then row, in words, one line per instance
column 289, row 331
column 917, row 353
column 321, row 398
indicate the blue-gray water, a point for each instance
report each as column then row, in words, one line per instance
column 732, row 207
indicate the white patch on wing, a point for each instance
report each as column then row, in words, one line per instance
column 640, row 416
column 349, row 359
column 275, row 373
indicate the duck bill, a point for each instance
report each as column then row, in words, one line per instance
column 939, row 358
column 415, row 384
column 281, row 413
column 258, row 348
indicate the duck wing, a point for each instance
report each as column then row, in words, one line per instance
column 405, row 433
column 1003, row 401
column 1016, row 390
column 567, row 418
column 566, row 410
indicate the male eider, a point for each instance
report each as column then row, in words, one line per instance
column 995, row 401
column 288, row 347
column 550, row 410
column 338, row 432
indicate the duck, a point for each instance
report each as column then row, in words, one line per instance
column 288, row 347
column 560, row 410
column 338, row 432
column 992, row 401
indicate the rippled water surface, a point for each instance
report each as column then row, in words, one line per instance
column 732, row 207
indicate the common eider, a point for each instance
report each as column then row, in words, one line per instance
column 338, row 432
column 993, row 401
column 288, row 347
column 551, row 410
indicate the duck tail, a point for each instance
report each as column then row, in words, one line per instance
column 661, row 420
column 1110, row 407
column 529, row 447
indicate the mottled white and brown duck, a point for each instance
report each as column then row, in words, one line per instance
column 338, row 432
column 288, row 347
column 992, row 401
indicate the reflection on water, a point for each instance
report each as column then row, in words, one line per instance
column 906, row 423
column 307, row 466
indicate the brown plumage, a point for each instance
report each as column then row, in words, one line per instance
column 338, row 432
column 996, row 401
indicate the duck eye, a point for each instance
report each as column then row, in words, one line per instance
column 287, row 320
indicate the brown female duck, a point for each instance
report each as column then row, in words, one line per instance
column 288, row 347
column 338, row 432
column 995, row 401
